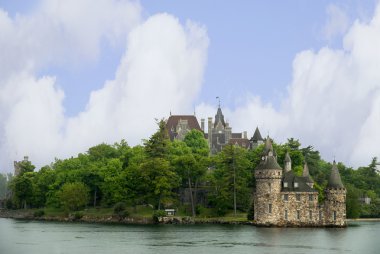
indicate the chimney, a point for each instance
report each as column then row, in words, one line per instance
column 203, row 124
column 245, row 134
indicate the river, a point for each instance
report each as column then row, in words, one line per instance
column 32, row 237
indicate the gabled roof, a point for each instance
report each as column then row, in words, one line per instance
column 257, row 136
column 173, row 120
column 334, row 180
column 290, row 178
column 242, row 142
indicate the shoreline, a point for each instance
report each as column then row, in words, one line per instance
column 115, row 220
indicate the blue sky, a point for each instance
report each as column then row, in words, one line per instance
column 245, row 52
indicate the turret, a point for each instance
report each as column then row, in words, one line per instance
column 335, row 202
column 256, row 139
column 288, row 162
column 268, row 176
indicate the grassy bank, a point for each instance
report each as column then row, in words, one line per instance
column 138, row 215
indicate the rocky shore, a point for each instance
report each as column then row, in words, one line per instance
column 114, row 219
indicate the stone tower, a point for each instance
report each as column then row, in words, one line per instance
column 335, row 202
column 268, row 176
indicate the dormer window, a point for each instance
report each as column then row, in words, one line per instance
column 285, row 184
column 295, row 185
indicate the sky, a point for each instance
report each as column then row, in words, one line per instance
column 74, row 74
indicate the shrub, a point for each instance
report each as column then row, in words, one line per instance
column 74, row 196
column 157, row 214
column 39, row 213
column 120, row 209
column 78, row 215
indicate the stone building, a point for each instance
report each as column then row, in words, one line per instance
column 179, row 125
column 283, row 199
column 17, row 167
column 220, row 133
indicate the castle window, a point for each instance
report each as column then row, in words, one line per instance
column 286, row 197
column 285, row 184
column 286, row 214
column 298, row 214
column 295, row 185
column 270, row 187
column 310, row 197
column 310, row 215
column 270, row 208
column 320, row 215
column 298, row 197
column 334, row 215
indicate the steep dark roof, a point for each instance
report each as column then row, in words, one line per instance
column 242, row 142
column 306, row 174
column 219, row 117
column 173, row 120
column 236, row 135
column 334, row 180
column 257, row 136
column 269, row 163
column 291, row 178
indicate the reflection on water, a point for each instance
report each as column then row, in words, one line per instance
column 48, row 237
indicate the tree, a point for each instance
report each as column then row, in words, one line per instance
column 74, row 196
column 26, row 166
column 3, row 186
column 232, row 177
column 23, row 189
column 157, row 145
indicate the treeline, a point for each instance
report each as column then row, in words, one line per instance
column 158, row 172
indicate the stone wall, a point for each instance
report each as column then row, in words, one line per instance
column 334, row 211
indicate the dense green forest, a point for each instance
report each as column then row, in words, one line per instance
column 154, row 174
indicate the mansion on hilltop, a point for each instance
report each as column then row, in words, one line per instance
column 218, row 134
column 281, row 198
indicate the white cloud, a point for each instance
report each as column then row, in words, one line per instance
column 337, row 22
column 63, row 33
column 162, row 69
column 333, row 101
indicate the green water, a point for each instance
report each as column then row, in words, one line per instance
column 48, row 237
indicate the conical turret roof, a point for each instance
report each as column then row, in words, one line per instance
column 257, row 136
column 287, row 157
column 306, row 174
column 268, row 146
column 269, row 160
column 335, row 181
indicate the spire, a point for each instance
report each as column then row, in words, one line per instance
column 334, row 180
column 257, row 136
column 306, row 174
column 219, row 117
column 288, row 162
column 268, row 147
column 287, row 157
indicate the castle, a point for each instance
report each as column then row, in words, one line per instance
column 219, row 133
column 284, row 199
column 281, row 198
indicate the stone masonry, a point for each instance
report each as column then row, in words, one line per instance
column 284, row 199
